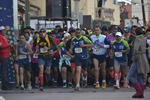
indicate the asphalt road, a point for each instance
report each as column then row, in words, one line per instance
column 70, row 94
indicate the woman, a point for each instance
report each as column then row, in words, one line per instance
column 23, row 53
column 140, row 66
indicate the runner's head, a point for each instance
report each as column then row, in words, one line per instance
column 42, row 32
column 66, row 37
column 97, row 30
column 78, row 32
column 113, row 29
column 22, row 38
column 118, row 36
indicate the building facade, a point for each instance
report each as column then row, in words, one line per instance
column 137, row 10
column 101, row 11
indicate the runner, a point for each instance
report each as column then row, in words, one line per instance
column 99, row 56
column 65, row 57
column 23, row 53
column 46, row 47
column 120, row 48
column 80, row 44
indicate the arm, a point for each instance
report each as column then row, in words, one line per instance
column 127, row 47
column 88, row 43
column 106, row 45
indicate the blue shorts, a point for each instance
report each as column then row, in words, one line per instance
column 45, row 60
column 25, row 64
column 100, row 58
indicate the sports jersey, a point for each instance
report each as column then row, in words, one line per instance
column 45, row 42
column 80, row 52
column 117, row 47
column 100, row 39
column 21, row 49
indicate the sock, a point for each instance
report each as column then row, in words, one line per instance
column 104, row 81
column 64, row 81
column 112, row 74
column 41, row 79
column 78, row 85
column 117, row 82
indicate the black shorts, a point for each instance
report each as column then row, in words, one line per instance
column 100, row 58
column 55, row 62
column 25, row 64
column 81, row 62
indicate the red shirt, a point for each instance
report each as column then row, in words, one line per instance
column 4, row 47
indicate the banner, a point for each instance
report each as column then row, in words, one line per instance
column 6, row 19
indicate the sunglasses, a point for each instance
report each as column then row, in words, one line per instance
column 117, row 36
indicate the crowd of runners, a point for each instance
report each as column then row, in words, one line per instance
column 75, row 58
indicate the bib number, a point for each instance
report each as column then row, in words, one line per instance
column 118, row 54
column 22, row 57
column 97, row 50
column 43, row 50
column 78, row 50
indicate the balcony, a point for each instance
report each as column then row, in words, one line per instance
column 105, row 14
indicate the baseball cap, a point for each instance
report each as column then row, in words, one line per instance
column 2, row 28
column 66, row 34
column 118, row 34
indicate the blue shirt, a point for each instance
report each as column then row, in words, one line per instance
column 80, row 52
column 118, row 46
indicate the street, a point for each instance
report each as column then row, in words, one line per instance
column 70, row 94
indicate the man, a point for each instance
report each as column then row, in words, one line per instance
column 4, row 57
column 46, row 46
column 99, row 55
column 120, row 49
column 80, row 44
column 64, row 61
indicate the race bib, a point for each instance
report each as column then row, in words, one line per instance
column 118, row 54
column 43, row 50
column 22, row 57
column 35, row 56
column 78, row 50
column 97, row 50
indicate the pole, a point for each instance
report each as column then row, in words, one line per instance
column 27, row 16
column 15, row 14
column 143, row 12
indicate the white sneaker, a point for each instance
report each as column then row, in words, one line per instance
column 22, row 87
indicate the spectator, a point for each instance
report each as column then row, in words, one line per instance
column 140, row 66
column 4, row 57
